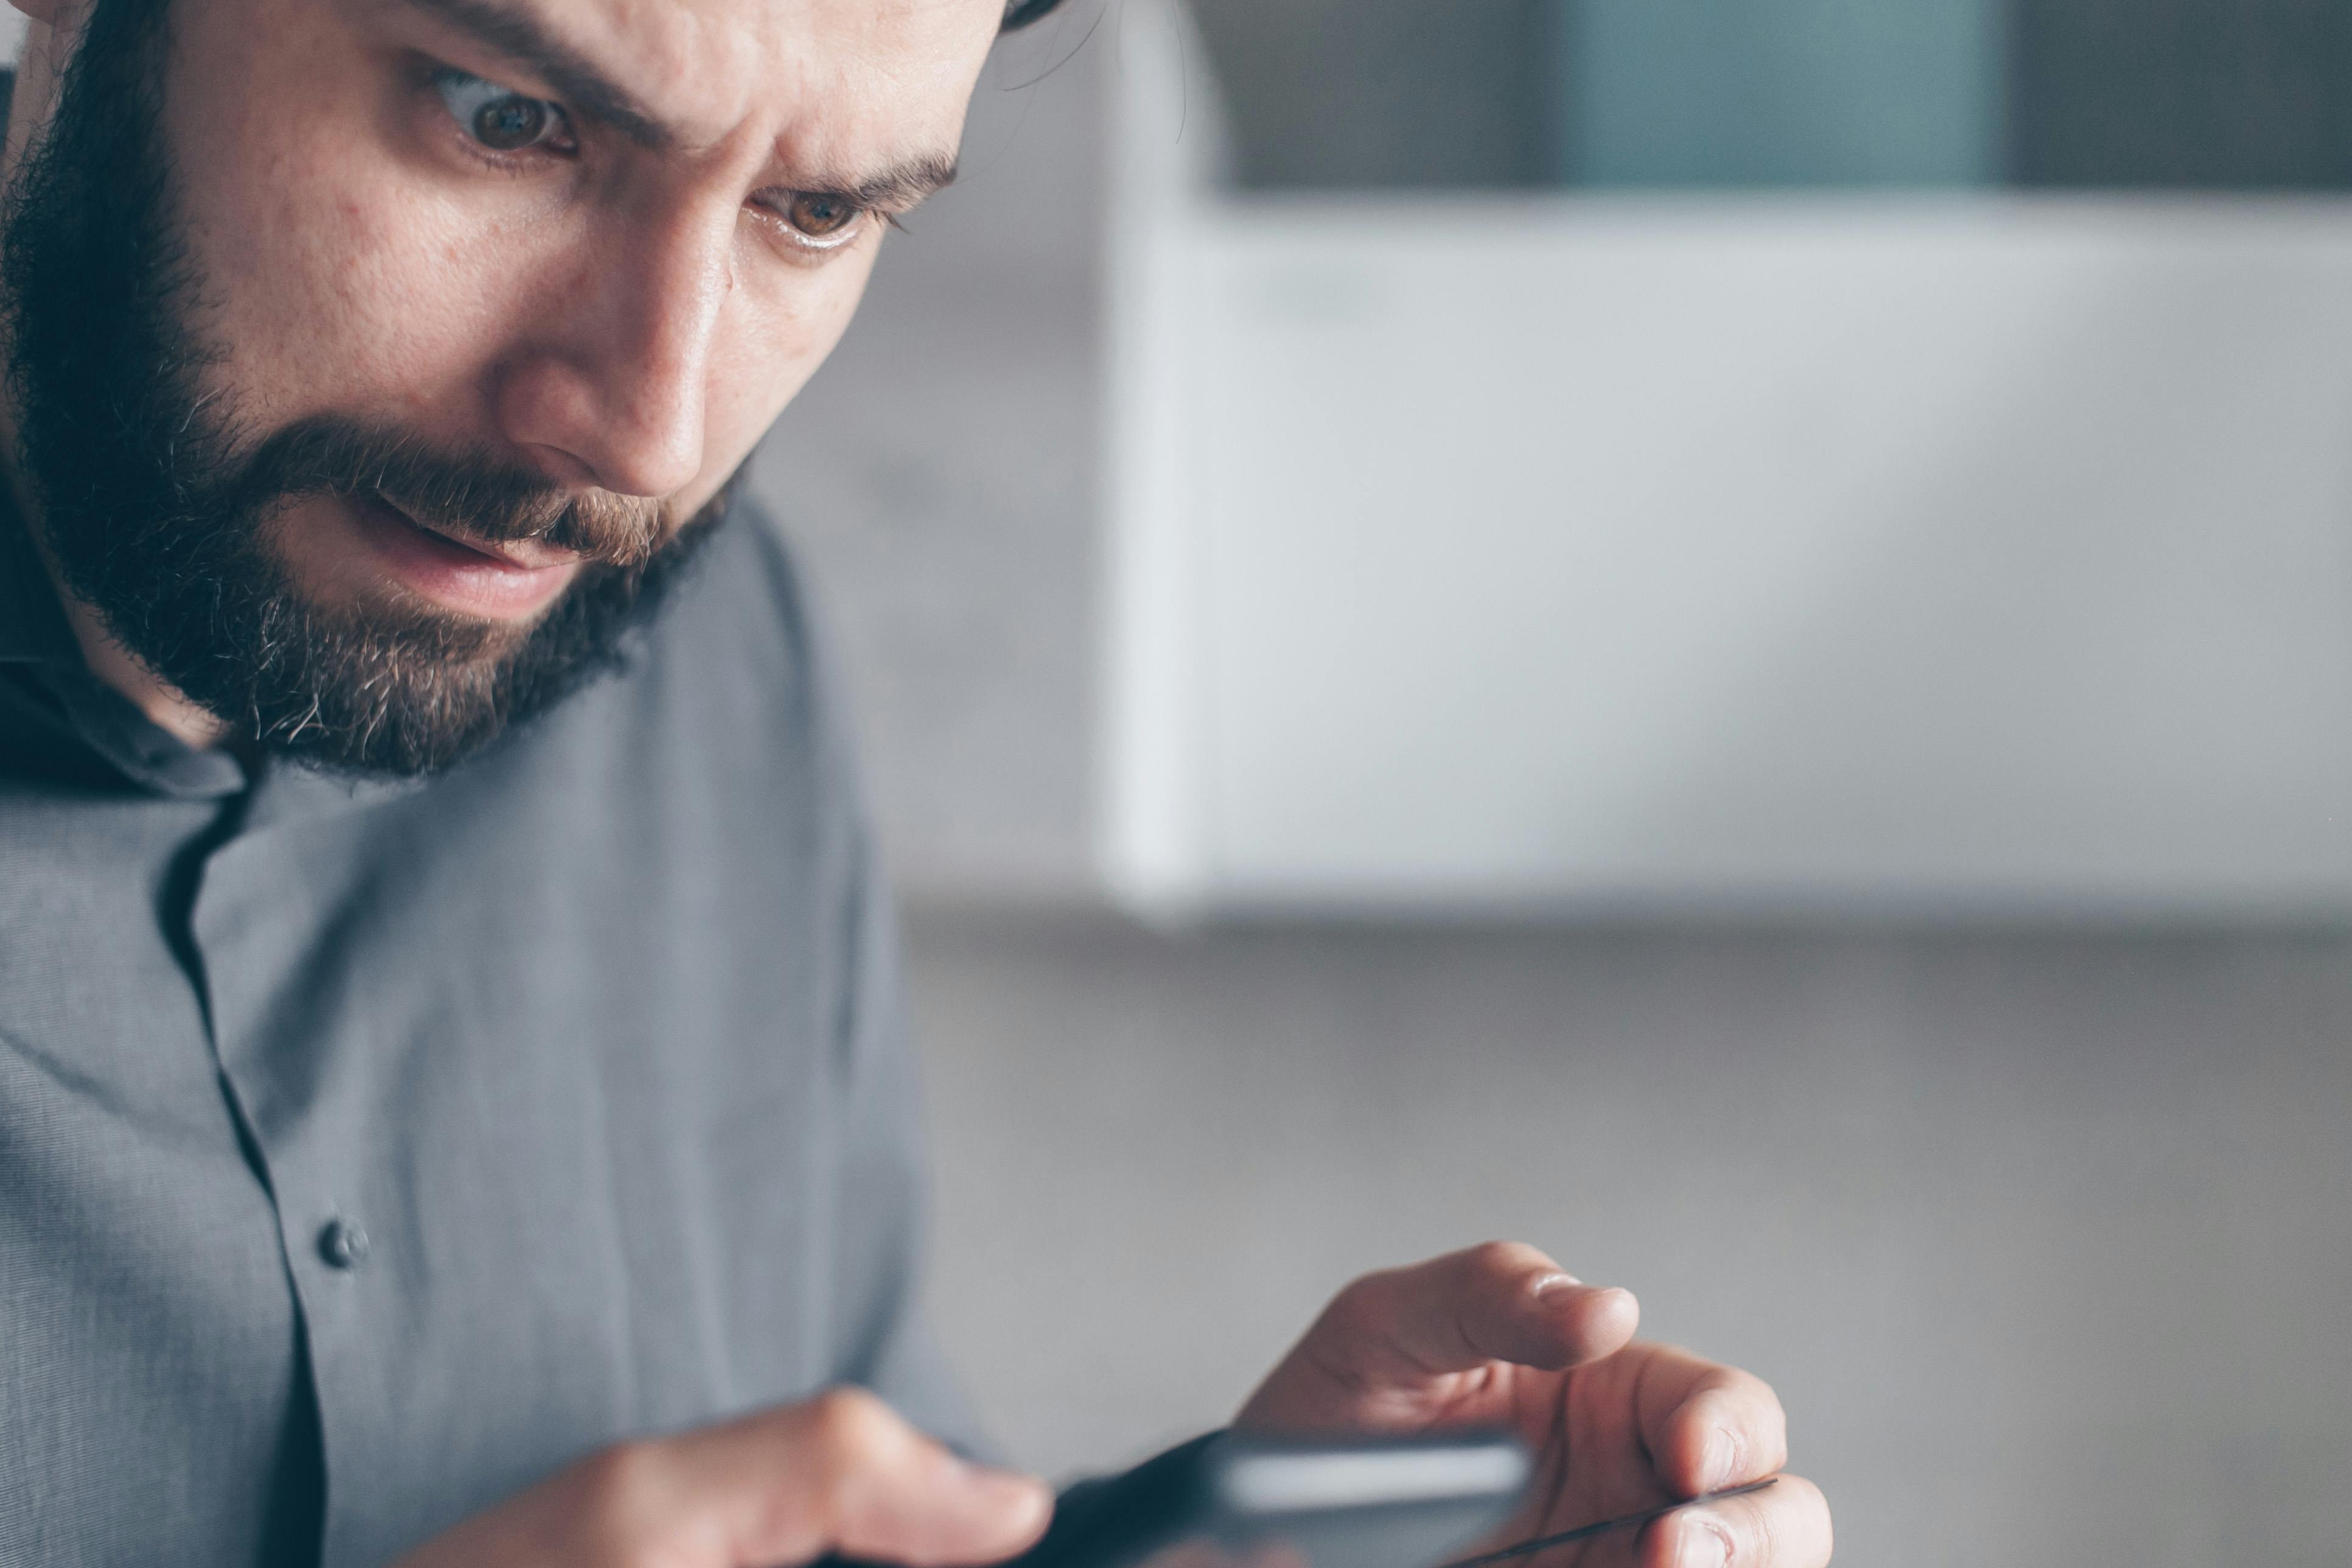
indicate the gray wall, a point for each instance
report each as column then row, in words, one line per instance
column 1353, row 93
column 939, row 475
column 2043, row 1240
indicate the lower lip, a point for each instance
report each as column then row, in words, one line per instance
column 453, row 576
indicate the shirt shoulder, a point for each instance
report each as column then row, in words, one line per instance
column 746, row 583
column 736, row 662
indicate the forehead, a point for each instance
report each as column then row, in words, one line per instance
column 815, row 74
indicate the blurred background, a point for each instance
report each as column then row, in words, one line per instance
column 1715, row 634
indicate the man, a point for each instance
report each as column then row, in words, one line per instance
column 453, row 1104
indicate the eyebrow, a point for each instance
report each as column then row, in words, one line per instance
column 523, row 41
column 898, row 187
column 521, row 38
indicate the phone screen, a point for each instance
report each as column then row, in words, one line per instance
column 1242, row 1501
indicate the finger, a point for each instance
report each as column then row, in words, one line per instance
column 844, row 1473
column 1503, row 1301
column 1708, row 1426
column 1787, row 1525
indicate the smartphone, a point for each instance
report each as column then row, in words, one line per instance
column 1413, row 1502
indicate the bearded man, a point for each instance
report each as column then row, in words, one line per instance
column 454, row 1105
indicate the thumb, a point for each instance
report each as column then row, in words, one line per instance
column 844, row 1473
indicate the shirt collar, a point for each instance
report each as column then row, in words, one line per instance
column 33, row 626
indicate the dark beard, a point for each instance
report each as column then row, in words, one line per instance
column 157, row 519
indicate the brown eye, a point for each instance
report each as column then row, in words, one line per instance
column 499, row 119
column 510, row 124
column 821, row 216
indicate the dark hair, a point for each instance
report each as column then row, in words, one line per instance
column 1019, row 14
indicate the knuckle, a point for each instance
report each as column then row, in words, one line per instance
column 848, row 1419
column 1361, row 1305
column 854, row 1434
column 1505, row 1257
column 1495, row 1255
column 864, row 1459
column 625, row 1500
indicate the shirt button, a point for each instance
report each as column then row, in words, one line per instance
column 343, row 1244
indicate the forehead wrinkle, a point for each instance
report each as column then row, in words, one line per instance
column 521, row 37
column 839, row 140
column 699, row 58
column 667, row 45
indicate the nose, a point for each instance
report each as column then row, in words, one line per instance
column 610, row 389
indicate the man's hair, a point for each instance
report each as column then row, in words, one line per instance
column 1019, row 14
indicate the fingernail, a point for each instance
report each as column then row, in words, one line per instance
column 1024, row 1500
column 1721, row 1465
column 1706, row 1543
column 1551, row 1282
column 995, row 1478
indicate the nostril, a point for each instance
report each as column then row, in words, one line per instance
column 562, row 467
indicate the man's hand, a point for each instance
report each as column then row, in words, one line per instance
column 839, row 1473
column 1499, row 1336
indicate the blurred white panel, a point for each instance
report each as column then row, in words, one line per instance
column 1969, row 555
column 1152, row 819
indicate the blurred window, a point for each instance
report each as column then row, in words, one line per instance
column 2235, row 95
column 1779, row 92
column 2200, row 94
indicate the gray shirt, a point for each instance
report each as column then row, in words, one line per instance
column 366, row 1153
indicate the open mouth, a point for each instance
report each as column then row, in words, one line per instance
column 522, row 554
column 506, row 580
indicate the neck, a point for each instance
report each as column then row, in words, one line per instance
column 112, row 663
column 108, row 659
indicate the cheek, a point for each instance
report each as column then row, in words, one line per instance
column 331, row 273
column 774, row 339
column 340, row 273
column 335, row 286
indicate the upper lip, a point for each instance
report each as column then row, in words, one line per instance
column 524, row 555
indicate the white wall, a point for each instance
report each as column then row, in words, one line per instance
column 1971, row 554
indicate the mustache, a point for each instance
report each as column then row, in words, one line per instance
column 471, row 495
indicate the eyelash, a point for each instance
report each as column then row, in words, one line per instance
column 772, row 207
column 442, row 80
column 775, row 209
